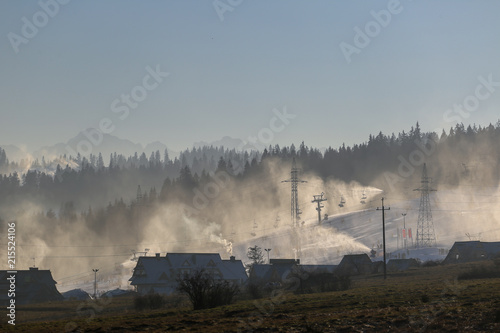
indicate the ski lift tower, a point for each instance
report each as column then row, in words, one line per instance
column 319, row 199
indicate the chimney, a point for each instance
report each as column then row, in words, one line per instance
column 157, row 255
column 232, row 258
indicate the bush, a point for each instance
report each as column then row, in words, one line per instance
column 496, row 260
column 480, row 273
column 431, row 263
column 205, row 292
column 150, row 301
column 255, row 290
column 323, row 282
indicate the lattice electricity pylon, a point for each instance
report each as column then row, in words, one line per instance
column 294, row 180
column 295, row 210
column 426, row 236
column 139, row 194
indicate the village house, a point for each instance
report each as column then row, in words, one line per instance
column 469, row 251
column 32, row 286
column 159, row 274
column 275, row 272
column 355, row 264
column 279, row 270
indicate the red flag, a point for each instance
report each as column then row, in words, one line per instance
column 409, row 233
column 404, row 233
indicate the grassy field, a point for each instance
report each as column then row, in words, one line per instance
column 427, row 299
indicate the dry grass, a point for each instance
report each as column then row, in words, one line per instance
column 425, row 299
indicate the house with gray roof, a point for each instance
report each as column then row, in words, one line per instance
column 278, row 270
column 159, row 274
column 470, row 251
column 32, row 286
column 355, row 264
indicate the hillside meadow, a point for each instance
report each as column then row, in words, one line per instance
column 426, row 299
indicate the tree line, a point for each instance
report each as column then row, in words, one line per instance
column 91, row 183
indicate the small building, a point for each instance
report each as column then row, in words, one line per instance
column 355, row 264
column 318, row 269
column 277, row 270
column 76, row 295
column 159, row 274
column 32, row 286
column 401, row 265
column 470, row 251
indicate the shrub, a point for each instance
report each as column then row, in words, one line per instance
column 205, row 292
column 496, row 260
column 255, row 290
column 149, row 301
column 480, row 273
column 323, row 282
column 431, row 263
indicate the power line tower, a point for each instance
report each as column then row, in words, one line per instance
column 139, row 194
column 426, row 236
column 294, row 180
column 319, row 199
column 295, row 210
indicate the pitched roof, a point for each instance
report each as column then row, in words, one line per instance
column 472, row 251
column 355, row 264
column 235, row 268
column 32, row 286
column 161, row 270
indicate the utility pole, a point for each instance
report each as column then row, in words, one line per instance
column 95, row 270
column 405, row 233
column 319, row 199
column 383, row 209
column 268, row 250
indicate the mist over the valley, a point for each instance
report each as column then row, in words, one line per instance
column 86, row 215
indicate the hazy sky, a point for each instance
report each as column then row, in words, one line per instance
column 231, row 62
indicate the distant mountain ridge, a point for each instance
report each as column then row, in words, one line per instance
column 231, row 143
column 15, row 153
column 109, row 144
column 106, row 145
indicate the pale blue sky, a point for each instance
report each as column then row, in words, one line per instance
column 227, row 76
